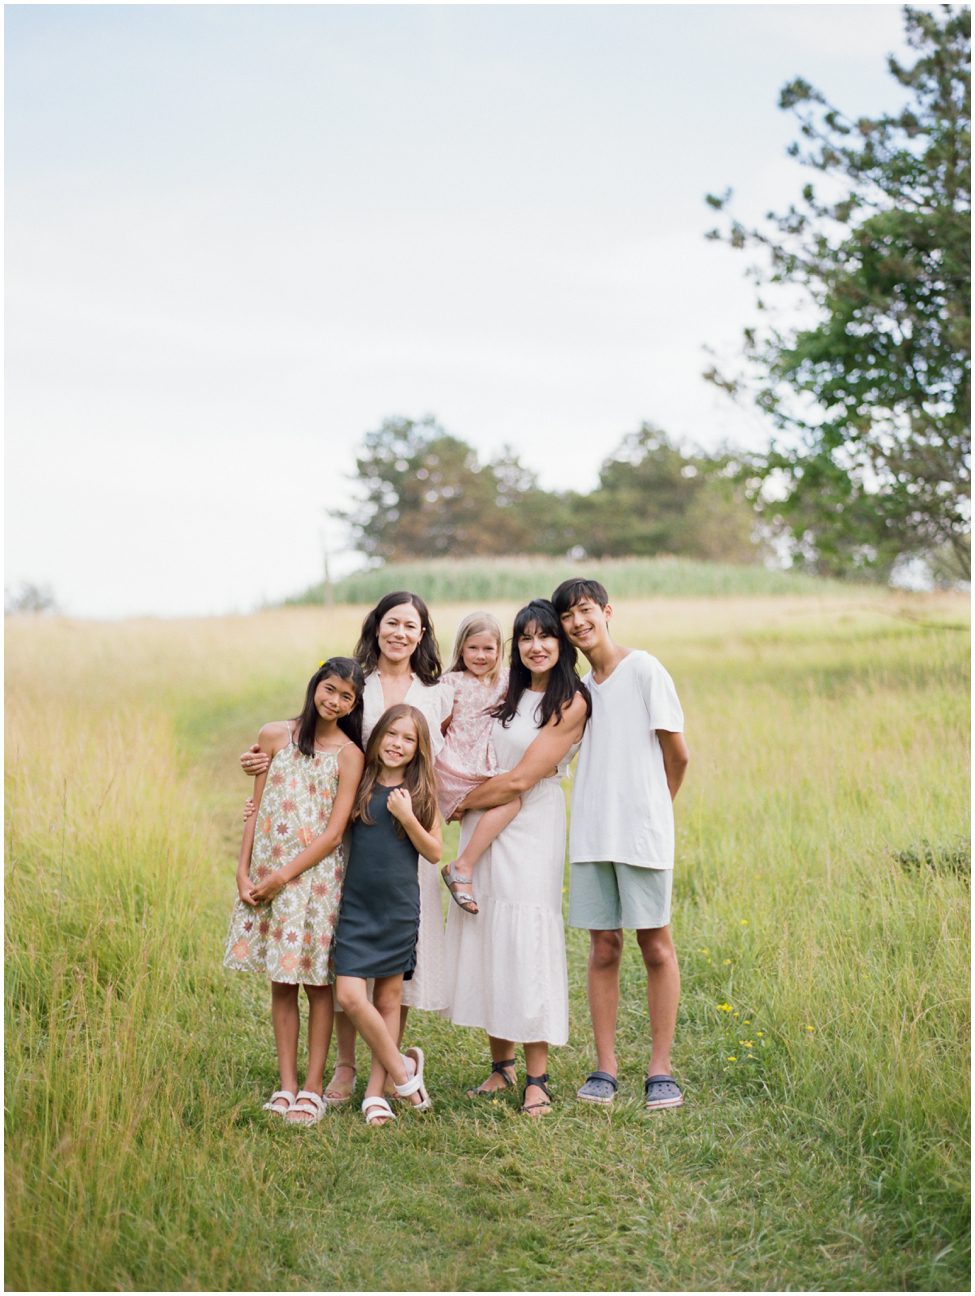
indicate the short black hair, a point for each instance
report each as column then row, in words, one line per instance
column 571, row 592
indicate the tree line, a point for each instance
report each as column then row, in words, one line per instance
column 868, row 406
column 424, row 493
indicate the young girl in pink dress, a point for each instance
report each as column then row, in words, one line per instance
column 475, row 683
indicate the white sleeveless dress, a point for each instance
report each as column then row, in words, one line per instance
column 428, row 987
column 506, row 965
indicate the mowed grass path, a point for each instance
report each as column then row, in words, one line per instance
column 821, row 918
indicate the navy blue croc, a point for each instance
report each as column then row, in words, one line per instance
column 662, row 1091
column 600, row 1087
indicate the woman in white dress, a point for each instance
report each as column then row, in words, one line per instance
column 506, row 967
column 400, row 659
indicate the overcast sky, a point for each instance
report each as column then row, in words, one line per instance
column 238, row 237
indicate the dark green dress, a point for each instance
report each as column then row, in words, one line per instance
column 380, row 914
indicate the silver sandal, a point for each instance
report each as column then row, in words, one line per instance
column 464, row 898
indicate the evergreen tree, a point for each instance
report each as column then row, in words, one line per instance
column 872, row 456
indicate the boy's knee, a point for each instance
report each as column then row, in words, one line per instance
column 656, row 946
column 605, row 949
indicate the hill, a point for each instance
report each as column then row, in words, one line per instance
column 445, row 580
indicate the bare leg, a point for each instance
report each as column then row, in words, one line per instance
column 319, row 1035
column 390, row 1090
column 459, row 874
column 663, row 993
column 340, row 1087
column 536, row 1064
column 284, row 1019
column 378, row 1024
column 501, row 1051
column 491, row 824
column 605, row 954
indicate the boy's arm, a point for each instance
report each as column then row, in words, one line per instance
column 676, row 758
column 351, row 764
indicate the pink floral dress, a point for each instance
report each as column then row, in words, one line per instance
column 467, row 757
column 289, row 938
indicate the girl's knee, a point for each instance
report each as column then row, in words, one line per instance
column 283, row 990
column 348, row 995
column 387, row 999
column 316, row 993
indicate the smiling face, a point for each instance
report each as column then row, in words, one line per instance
column 335, row 698
column 399, row 632
column 480, row 653
column 586, row 624
column 538, row 649
column 398, row 744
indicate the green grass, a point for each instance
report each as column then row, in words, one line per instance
column 821, row 883
column 446, row 580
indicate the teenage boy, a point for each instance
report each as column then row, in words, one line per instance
column 621, row 839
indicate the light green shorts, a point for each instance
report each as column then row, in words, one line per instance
column 604, row 896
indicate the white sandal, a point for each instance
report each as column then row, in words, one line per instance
column 415, row 1083
column 376, row 1110
column 307, row 1109
column 276, row 1097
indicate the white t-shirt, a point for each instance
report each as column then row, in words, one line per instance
column 621, row 806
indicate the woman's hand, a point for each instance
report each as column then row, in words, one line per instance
column 269, row 888
column 400, row 805
column 254, row 761
column 245, row 889
column 249, row 808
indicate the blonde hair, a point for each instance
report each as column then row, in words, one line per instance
column 472, row 624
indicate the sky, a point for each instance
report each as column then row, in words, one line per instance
column 238, row 237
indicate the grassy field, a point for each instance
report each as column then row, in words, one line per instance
column 445, row 580
column 821, row 916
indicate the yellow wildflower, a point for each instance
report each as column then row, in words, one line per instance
column 810, row 1028
column 725, row 1007
column 745, row 1043
column 732, row 1057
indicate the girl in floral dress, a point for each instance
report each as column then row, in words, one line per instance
column 475, row 684
column 290, row 871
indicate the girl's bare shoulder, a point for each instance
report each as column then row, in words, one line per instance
column 274, row 735
column 351, row 760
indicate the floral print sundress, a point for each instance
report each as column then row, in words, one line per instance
column 290, row 938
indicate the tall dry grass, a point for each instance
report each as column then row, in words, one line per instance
column 822, row 919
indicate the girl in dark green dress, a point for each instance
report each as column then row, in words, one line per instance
column 395, row 829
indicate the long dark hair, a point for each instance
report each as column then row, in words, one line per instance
column 418, row 777
column 425, row 661
column 351, row 725
column 563, row 682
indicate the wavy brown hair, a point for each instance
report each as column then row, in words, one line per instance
column 418, row 777
column 425, row 661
